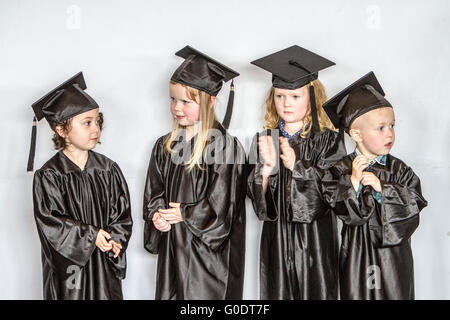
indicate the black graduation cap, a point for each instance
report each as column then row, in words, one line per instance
column 294, row 67
column 206, row 74
column 64, row 102
column 362, row 96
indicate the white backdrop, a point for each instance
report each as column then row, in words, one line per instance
column 126, row 52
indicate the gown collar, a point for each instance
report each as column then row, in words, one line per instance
column 72, row 164
column 380, row 159
column 287, row 135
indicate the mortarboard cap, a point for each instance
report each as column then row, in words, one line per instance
column 201, row 72
column 293, row 67
column 65, row 101
column 362, row 96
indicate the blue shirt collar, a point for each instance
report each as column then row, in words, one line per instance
column 287, row 135
column 380, row 159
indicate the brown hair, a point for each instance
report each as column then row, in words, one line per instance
column 207, row 119
column 60, row 142
column 272, row 118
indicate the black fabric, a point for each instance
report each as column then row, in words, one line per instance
column 201, row 71
column 30, row 164
column 280, row 83
column 293, row 67
column 375, row 236
column 360, row 97
column 227, row 118
column 299, row 248
column 203, row 256
column 64, row 102
column 315, row 120
column 70, row 207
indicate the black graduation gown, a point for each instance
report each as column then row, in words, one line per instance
column 201, row 257
column 376, row 259
column 70, row 207
column 299, row 248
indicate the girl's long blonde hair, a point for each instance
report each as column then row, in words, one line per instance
column 207, row 120
column 272, row 119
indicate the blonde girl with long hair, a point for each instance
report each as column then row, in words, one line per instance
column 299, row 244
column 194, row 208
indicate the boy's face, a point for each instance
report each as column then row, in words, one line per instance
column 84, row 131
column 374, row 131
column 291, row 105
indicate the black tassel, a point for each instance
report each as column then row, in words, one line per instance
column 315, row 120
column 257, row 148
column 32, row 146
column 229, row 112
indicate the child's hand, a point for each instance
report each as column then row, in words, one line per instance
column 287, row 154
column 116, row 247
column 173, row 214
column 369, row 179
column 102, row 241
column 160, row 223
column 358, row 165
column 268, row 154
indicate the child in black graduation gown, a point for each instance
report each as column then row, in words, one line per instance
column 81, row 201
column 377, row 196
column 299, row 248
column 194, row 207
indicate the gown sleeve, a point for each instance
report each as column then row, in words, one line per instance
column 210, row 219
column 154, row 198
column 339, row 194
column 264, row 204
column 393, row 220
column 306, row 195
column 67, row 237
column 400, row 206
column 120, row 221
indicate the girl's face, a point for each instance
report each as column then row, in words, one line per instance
column 377, row 131
column 84, row 131
column 291, row 105
column 185, row 110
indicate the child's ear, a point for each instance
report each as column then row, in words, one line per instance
column 356, row 135
column 212, row 102
column 60, row 131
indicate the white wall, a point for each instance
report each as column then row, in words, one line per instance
column 126, row 51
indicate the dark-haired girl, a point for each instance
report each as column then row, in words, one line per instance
column 81, row 202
